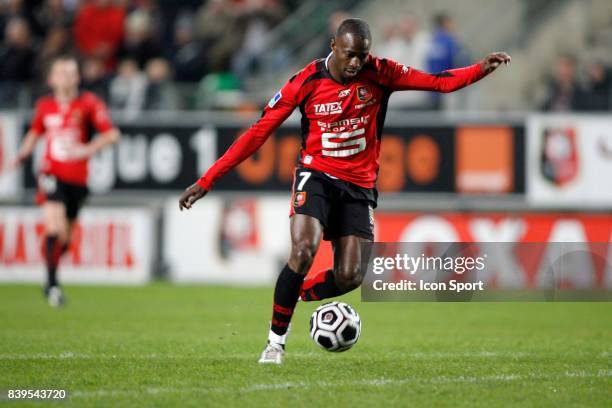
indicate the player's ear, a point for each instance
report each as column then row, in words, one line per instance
column 332, row 44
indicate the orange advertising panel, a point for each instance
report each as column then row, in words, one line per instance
column 484, row 159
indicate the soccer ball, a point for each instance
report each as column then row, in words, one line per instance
column 335, row 326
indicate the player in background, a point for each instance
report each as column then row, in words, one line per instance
column 343, row 100
column 64, row 120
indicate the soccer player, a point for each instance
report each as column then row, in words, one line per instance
column 64, row 120
column 343, row 100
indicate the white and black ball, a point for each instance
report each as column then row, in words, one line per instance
column 335, row 326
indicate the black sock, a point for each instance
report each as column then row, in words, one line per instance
column 53, row 251
column 323, row 289
column 286, row 294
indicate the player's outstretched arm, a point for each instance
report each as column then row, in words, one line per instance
column 404, row 78
column 246, row 145
column 243, row 147
column 275, row 113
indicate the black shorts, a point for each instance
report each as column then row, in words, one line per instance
column 341, row 207
column 50, row 188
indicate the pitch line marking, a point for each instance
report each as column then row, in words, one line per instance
column 376, row 382
column 161, row 356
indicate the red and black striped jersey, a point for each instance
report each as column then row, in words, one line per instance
column 341, row 123
column 66, row 126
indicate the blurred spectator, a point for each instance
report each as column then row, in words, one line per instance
column 169, row 11
column 563, row 90
column 217, row 26
column 445, row 50
column 407, row 44
column 189, row 54
column 219, row 90
column 127, row 89
column 160, row 92
column 17, row 56
column 154, row 13
column 139, row 43
column 9, row 9
column 98, row 30
column 258, row 18
column 94, row 77
column 71, row 6
column 597, row 93
column 56, row 43
column 50, row 15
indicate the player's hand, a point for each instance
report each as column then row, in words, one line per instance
column 12, row 165
column 192, row 194
column 492, row 61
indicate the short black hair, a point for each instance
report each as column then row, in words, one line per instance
column 354, row 26
column 441, row 18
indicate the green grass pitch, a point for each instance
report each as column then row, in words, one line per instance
column 164, row 345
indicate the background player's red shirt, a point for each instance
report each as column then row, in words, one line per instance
column 65, row 127
column 341, row 124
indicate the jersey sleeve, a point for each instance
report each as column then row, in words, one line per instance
column 38, row 124
column 274, row 114
column 399, row 77
column 99, row 116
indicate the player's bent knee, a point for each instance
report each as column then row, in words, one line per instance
column 302, row 256
column 57, row 228
column 349, row 278
column 53, row 229
column 54, row 219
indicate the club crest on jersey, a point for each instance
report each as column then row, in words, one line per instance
column 364, row 93
column 331, row 108
column 344, row 93
column 300, row 199
column 275, row 99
